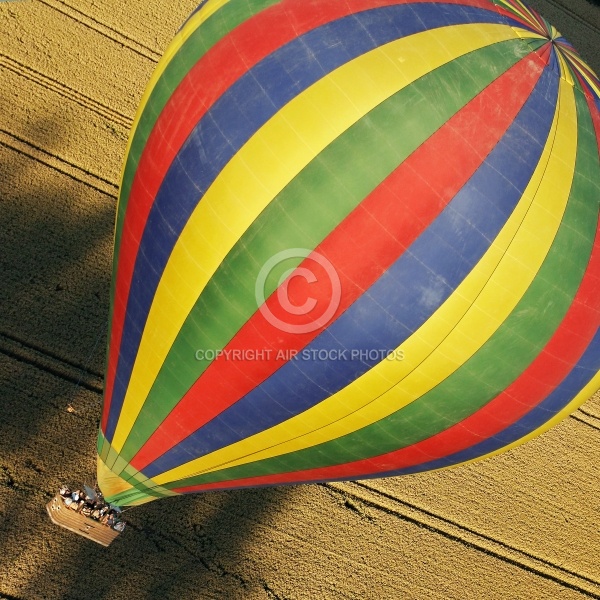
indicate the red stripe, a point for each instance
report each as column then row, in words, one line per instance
column 548, row 370
column 379, row 230
column 202, row 86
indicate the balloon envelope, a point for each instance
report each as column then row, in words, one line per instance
column 354, row 239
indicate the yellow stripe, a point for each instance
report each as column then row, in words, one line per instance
column 451, row 336
column 110, row 483
column 588, row 391
column 565, row 71
column 266, row 164
column 582, row 68
column 528, row 35
column 202, row 15
column 113, row 485
column 186, row 31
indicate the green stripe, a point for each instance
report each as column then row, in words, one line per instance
column 216, row 27
column 100, row 445
column 507, row 7
column 139, row 492
column 310, row 207
column 497, row 364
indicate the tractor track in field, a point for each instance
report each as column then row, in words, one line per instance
column 65, row 91
column 592, row 415
column 574, row 15
column 380, row 500
column 111, row 33
column 51, row 363
column 587, row 419
column 49, row 159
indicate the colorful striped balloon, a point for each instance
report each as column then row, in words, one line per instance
column 354, row 239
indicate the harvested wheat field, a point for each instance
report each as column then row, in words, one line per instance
column 522, row 525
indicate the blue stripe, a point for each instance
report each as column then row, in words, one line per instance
column 234, row 118
column 554, row 64
column 382, row 318
column 577, row 379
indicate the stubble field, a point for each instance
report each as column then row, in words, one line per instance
column 520, row 526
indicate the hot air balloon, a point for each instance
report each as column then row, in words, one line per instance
column 354, row 239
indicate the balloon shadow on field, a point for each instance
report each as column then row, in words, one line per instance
column 56, row 237
column 186, row 547
column 56, row 240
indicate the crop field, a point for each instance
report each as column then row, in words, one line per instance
column 523, row 525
